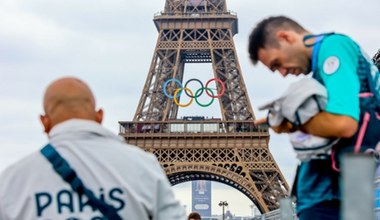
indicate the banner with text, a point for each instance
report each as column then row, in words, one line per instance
column 201, row 197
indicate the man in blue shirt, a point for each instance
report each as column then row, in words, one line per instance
column 338, row 63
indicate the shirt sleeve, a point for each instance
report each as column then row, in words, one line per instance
column 338, row 63
column 167, row 206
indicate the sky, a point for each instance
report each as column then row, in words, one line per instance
column 109, row 44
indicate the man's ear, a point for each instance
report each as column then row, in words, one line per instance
column 287, row 36
column 99, row 116
column 46, row 123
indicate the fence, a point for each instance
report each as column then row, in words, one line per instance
column 360, row 193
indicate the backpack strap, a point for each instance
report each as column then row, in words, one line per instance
column 362, row 131
column 62, row 167
column 316, row 46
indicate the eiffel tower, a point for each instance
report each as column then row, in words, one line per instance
column 231, row 149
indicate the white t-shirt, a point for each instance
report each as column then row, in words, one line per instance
column 125, row 176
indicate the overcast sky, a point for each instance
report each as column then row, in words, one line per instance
column 109, row 44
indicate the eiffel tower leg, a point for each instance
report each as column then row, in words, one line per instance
column 235, row 104
column 167, row 63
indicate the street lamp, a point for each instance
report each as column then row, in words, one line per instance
column 223, row 204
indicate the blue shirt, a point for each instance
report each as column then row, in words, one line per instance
column 337, row 65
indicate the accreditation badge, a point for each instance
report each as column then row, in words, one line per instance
column 331, row 65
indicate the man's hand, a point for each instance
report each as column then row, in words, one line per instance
column 260, row 121
column 284, row 127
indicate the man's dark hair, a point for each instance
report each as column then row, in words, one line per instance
column 264, row 34
column 194, row 215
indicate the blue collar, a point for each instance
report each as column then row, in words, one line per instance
column 317, row 45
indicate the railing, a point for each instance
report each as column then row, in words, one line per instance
column 194, row 14
column 272, row 215
column 207, row 126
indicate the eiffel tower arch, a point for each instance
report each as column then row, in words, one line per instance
column 231, row 149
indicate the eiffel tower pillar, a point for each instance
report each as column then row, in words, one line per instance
column 231, row 150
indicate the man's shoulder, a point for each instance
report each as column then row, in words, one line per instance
column 339, row 49
column 116, row 151
column 18, row 171
column 338, row 43
column 135, row 150
column 26, row 161
column 334, row 38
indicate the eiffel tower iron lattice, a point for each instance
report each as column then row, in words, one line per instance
column 231, row 150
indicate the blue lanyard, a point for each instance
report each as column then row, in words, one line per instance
column 62, row 167
column 317, row 45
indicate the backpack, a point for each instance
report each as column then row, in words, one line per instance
column 367, row 138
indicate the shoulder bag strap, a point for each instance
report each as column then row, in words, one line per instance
column 62, row 167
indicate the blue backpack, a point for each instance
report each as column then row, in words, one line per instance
column 367, row 138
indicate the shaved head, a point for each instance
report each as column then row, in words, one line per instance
column 68, row 98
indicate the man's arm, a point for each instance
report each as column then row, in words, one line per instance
column 329, row 125
column 323, row 124
column 284, row 127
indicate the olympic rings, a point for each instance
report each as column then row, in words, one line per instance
column 176, row 100
column 189, row 93
column 223, row 88
column 166, row 83
column 201, row 89
column 191, row 96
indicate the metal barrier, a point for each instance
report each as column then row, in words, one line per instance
column 360, row 192
column 357, row 187
column 377, row 198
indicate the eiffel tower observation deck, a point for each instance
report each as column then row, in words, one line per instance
column 225, row 147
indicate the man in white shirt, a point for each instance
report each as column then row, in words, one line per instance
column 123, row 176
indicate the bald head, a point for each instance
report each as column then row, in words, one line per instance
column 68, row 98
